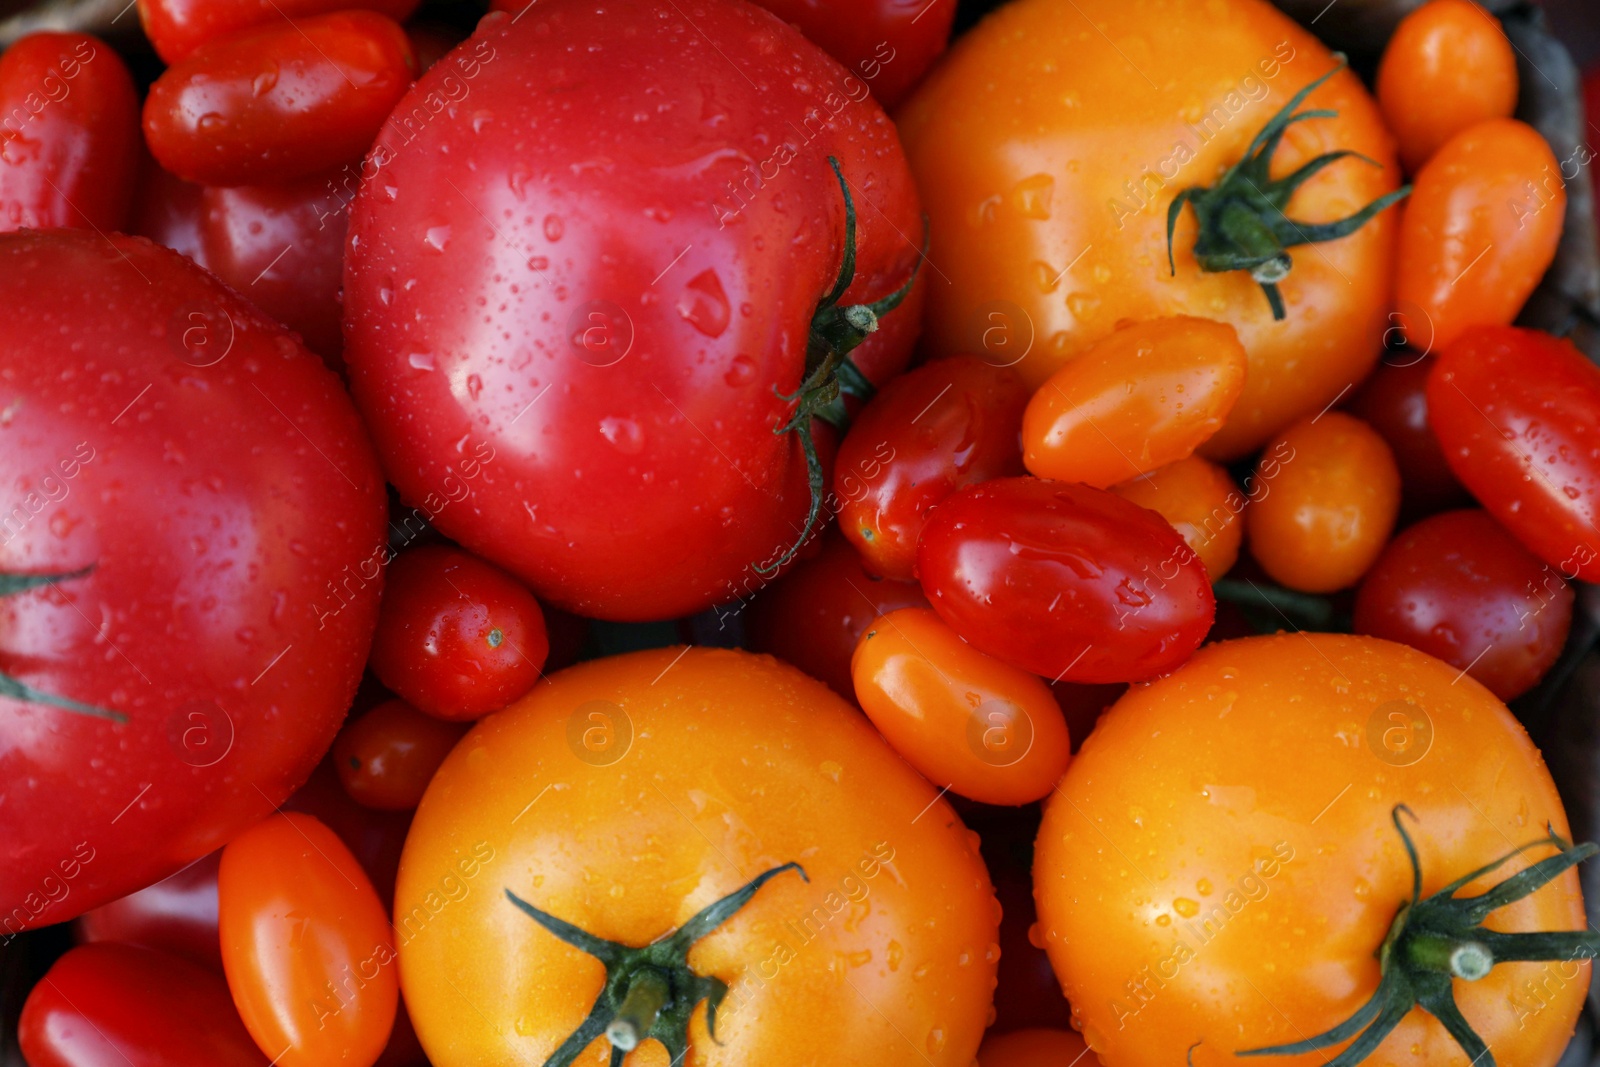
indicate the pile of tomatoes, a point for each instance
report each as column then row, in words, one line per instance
column 588, row 541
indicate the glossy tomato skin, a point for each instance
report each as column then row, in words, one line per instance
column 626, row 394
column 177, row 915
column 386, row 758
column 216, row 479
column 1202, row 503
column 1518, row 414
column 1268, row 853
column 1066, row 581
column 1459, row 587
column 261, row 105
column 1026, row 992
column 69, row 142
column 114, row 1005
column 908, row 903
column 177, row 27
column 1037, row 1047
column 1047, row 167
column 946, row 424
column 168, row 210
column 1394, row 402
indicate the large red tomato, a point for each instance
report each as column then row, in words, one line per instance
column 595, row 241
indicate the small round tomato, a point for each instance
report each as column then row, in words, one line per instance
column 1459, row 587
column 387, row 757
column 949, row 423
column 1394, row 402
column 457, row 637
column 981, row 728
column 1271, row 837
column 1036, row 1048
column 1518, row 414
column 177, row 27
column 1065, row 581
column 1146, row 395
column 1447, row 66
column 278, row 101
column 306, row 945
column 1326, row 498
column 178, row 915
column 1201, row 502
column 1481, row 228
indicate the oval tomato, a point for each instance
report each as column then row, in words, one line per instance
column 177, row 27
column 387, row 757
column 177, row 915
column 1201, row 502
column 1035, row 1048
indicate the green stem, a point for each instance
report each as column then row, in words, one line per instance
column 648, row 993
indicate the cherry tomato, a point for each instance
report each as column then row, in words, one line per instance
column 1144, row 396
column 387, row 757
column 431, row 42
column 278, row 101
column 1237, row 828
column 1447, row 66
column 963, row 719
column 1081, row 705
column 177, row 915
column 1394, row 402
column 116, row 1005
column 1201, row 502
column 1459, row 587
column 1326, row 498
column 457, row 637
column 950, row 423
column 1480, row 230
column 306, row 945
column 1518, row 414
column 1036, row 1048
column 69, row 139
column 1026, row 992
column 177, row 27
column 167, row 210
column 1065, row 581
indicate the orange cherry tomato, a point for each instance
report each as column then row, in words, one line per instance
column 1327, row 496
column 1203, row 504
column 387, row 757
column 1036, row 1048
column 1480, row 230
column 1147, row 395
column 982, row 728
column 1447, row 66
column 306, row 946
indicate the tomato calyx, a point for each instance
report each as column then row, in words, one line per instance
column 650, row 991
column 1439, row 938
column 15, row 688
column 1243, row 220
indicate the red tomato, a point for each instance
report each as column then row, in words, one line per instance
column 192, row 482
column 279, row 101
column 178, row 915
column 375, row 837
column 123, row 1006
column 69, row 139
column 1394, row 402
column 432, row 41
column 167, row 210
column 611, row 306
column 1518, row 414
column 177, row 27
column 387, row 757
column 1026, row 991
column 950, row 423
column 1066, row 581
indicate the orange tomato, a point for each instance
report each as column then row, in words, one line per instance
column 386, row 758
column 1203, row 504
column 1035, row 1048
column 1328, row 495
column 1447, row 66
column 1144, row 396
column 982, row 728
column 306, row 945
column 1480, row 230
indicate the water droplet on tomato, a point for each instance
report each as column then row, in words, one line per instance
column 266, row 81
column 211, row 122
column 422, row 360
column 740, row 372
column 437, row 237
column 1031, row 196
column 704, row 305
column 623, row 434
column 554, row 227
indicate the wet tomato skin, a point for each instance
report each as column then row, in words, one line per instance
column 387, row 757
column 1201, row 502
column 177, row 27
column 1069, row 582
column 1394, row 402
column 1036, row 1047
column 177, row 915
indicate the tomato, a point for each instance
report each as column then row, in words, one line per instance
column 1144, row 396
column 1026, row 992
column 69, row 140
column 1065, row 581
column 183, row 483
column 1481, row 229
column 1518, row 414
column 965, row 720
column 1327, row 495
column 457, row 637
column 1459, row 587
column 1081, row 705
column 1394, row 402
column 1201, row 502
column 1238, row 827
column 624, row 796
column 607, row 276
column 387, row 757
column 177, row 915
column 1049, row 162
column 278, row 101
column 167, row 210
column 1035, row 1048
column 122, row 1006
column 950, row 423
column 1447, row 66
column 177, row 27
column 432, row 41
column 306, row 944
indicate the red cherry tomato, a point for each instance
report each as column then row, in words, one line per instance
column 69, row 134
column 1026, row 991
column 1064, row 580
column 178, row 915
column 431, row 42
column 950, row 423
column 113, row 1005
column 1518, row 414
column 387, row 757
column 1394, row 402
column 1081, row 705
column 177, row 27
column 457, row 637
column 279, row 101
column 167, row 210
